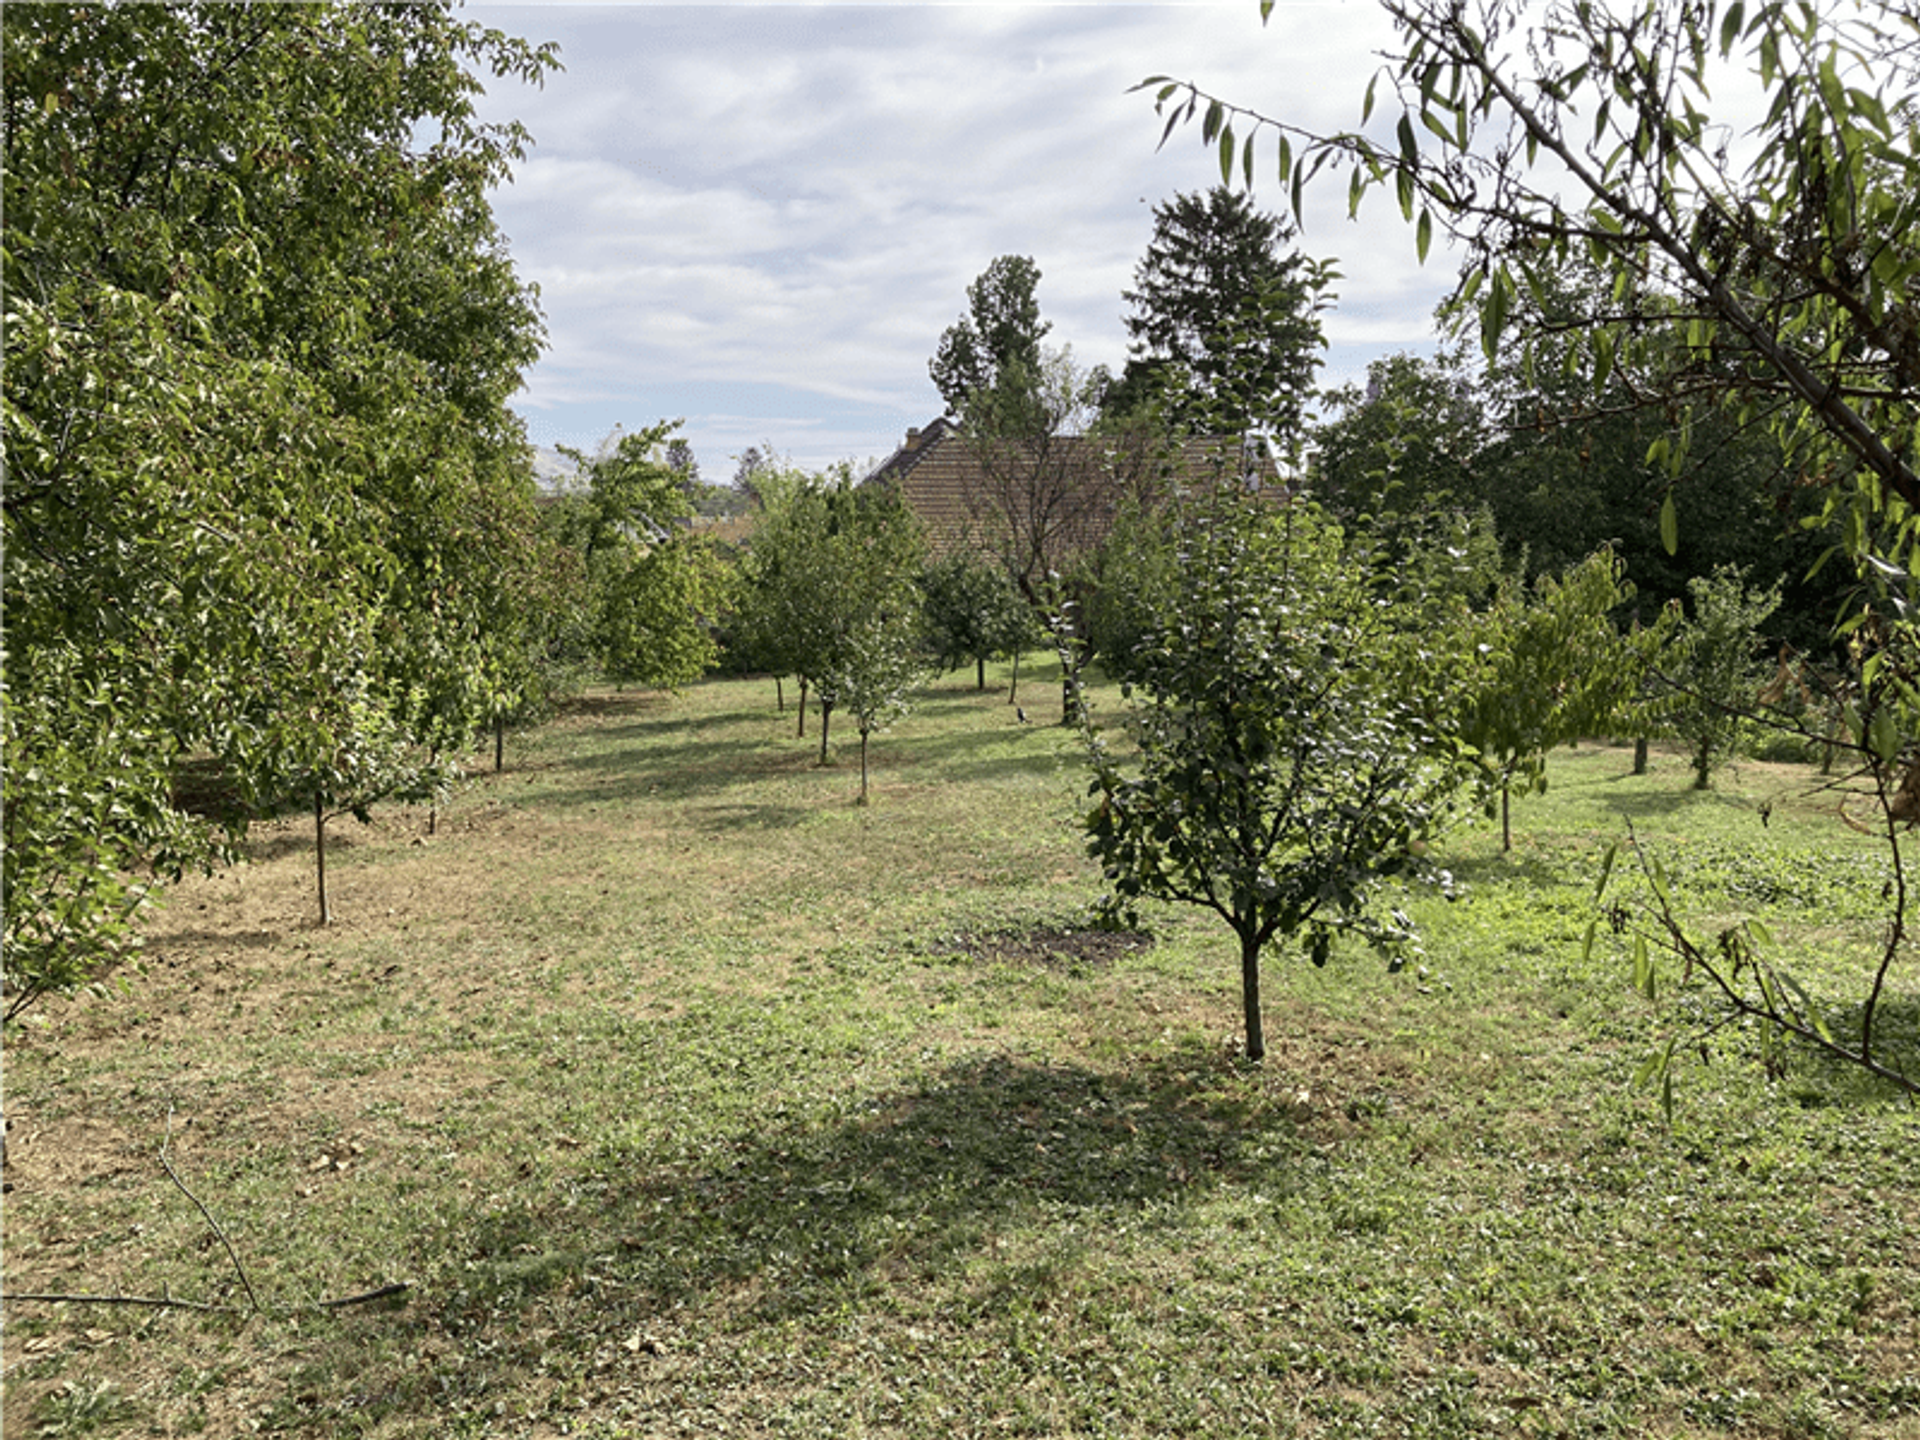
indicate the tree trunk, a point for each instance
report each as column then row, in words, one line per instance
column 1703, row 767
column 1640, row 756
column 320, row 853
column 1506, row 816
column 980, row 672
column 826, row 714
column 499, row 743
column 1250, row 994
column 863, row 769
column 801, row 733
column 1013, row 690
column 779, row 695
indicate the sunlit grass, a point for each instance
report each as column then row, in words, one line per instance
column 688, row 1096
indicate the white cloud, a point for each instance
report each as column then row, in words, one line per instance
column 763, row 217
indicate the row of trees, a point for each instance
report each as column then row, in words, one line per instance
column 272, row 535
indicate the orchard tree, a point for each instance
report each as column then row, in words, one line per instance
column 1549, row 667
column 1283, row 774
column 1224, row 319
column 1720, row 663
column 260, row 334
column 657, row 589
column 994, row 349
column 973, row 612
column 831, row 594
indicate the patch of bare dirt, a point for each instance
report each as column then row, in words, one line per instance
column 1054, row 945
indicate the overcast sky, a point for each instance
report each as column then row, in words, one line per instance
column 761, row 218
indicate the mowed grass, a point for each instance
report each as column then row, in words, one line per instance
column 688, row 1098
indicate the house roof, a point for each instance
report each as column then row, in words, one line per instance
column 944, row 478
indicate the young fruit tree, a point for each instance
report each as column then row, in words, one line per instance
column 1550, row 667
column 1282, row 779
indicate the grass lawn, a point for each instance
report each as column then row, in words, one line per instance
column 688, row 1098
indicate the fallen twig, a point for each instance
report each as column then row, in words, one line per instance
column 367, row 1297
column 205, row 1213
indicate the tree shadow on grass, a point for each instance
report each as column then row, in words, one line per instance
column 791, row 1218
column 1896, row 1045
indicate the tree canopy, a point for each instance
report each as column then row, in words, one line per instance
column 264, row 493
column 1224, row 317
column 994, row 349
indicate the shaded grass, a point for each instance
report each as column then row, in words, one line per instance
column 687, row 1099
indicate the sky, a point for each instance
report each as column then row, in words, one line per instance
column 759, row 219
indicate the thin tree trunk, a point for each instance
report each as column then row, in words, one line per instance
column 1703, row 767
column 980, row 672
column 320, row 853
column 826, row 714
column 1640, row 756
column 801, row 733
column 1250, row 994
column 1506, row 816
column 499, row 743
column 863, row 768
column 1013, row 690
column 779, row 695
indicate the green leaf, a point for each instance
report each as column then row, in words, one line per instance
column 1493, row 312
column 1669, row 526
column 1226, row 154
column 1730, row 26
column 1606, row 869
column 1423, row 234
column 1883, row 736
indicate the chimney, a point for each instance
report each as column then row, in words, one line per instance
column 913, row 438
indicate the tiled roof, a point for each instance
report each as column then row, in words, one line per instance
column 946, row 481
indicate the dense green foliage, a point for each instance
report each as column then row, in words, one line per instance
column 994, row 349
column 654, row 590
column 1224, row 319
column 1549, row 668
column 266, row 508
column 974, row 612
column 830, row 593
column 1718, row 665
column 1284, row 769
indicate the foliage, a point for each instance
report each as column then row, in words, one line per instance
column 973, row 612
column 994, row 349
column 656, row 589
column 1225, row 318
column 260, row 333
column 1550, row 668
column 1718, row 667
column 1405, row 442
column 831, row 594
column 1772, row 281
column 1281, row 778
